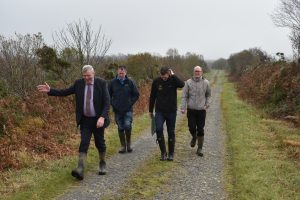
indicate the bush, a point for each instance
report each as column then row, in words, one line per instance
column 3, row 89
column 272, row 86
column 277, row 95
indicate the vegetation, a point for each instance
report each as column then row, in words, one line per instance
column 287, row 15
column 32, row 149
column 270, row 84
column 27, row 118
column 18, row 63
column 47, row 179
column 278, row 93
column 89, row 46
column 260, row 166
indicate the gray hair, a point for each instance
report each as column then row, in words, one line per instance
column 86, row 68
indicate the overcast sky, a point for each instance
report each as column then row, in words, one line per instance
column 213, row 28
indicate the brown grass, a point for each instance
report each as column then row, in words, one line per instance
column 39, row 128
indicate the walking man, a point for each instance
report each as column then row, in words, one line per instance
column 124, row 94
column 196, row 97
column 164, row 97
column 92, row 108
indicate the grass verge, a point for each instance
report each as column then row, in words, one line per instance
column 258, row 166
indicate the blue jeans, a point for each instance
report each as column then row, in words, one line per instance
column 87, row 128
column 170, row 119
column 124, row 120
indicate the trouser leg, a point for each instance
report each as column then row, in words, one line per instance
column 171, row 121
column 159, row 121
column 128, row 128
column 162, row 147
column 192, row 126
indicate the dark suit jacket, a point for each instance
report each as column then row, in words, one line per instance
column 101, row 98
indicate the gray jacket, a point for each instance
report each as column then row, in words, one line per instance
column 196, row 94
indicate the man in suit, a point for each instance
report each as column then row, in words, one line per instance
column 92, row 114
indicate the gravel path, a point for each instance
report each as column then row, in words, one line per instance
column 119, row 169
column 201, row 177
column 195, row 177
column 95, row 186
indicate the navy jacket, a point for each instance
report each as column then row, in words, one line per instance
column 101, row 98
column 123, row 96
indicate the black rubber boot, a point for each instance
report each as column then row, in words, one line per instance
column 171, row 146
column 200, row 144
column 128, row 141
column 102, row 163
column 194, row 138
column 122, row 141
column 162, row 146
column 79, row 171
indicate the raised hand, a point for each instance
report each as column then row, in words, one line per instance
column 43, row 88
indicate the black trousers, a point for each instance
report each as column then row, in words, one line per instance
column 196, row 121
column 87, row 128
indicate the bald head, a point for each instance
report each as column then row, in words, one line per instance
column 197, row 68
column 198, row 71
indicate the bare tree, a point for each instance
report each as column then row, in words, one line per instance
column 288, row 15
column 172, row 53
column 18, row 63
column 295, row 38
column 91, row 46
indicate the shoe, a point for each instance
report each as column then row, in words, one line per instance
column 200, row 144
column 128, row 141
column 102, row 168
column 122, row 142
column 79, row 171
column 77, row 174
column 199, row 152
column 193, row 142
column 163, row 157
column 170, row 157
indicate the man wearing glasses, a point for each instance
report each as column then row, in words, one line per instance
column 195, row 97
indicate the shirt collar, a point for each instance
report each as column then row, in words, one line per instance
column 92, row 83
column 121, row 79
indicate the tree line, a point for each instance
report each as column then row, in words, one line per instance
column 26, row 60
